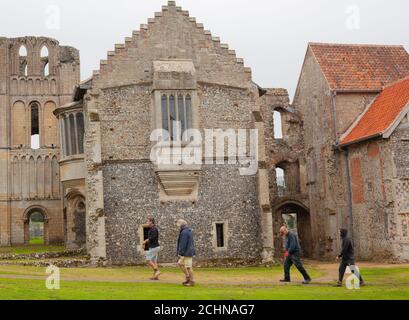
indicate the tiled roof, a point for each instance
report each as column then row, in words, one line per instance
column 361, row 67
column 381, row 114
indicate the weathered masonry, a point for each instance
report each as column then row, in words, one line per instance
column 36, row 76
column 80, row 162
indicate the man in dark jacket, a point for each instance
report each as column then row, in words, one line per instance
column 292, row 256
column 153, row 248
column 186, row 252
column 347, row 257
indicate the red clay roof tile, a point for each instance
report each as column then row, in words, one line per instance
column 381, row 114
column 361, row 67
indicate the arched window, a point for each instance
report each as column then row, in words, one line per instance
column 44, row 52
column 280, row 180
column 176, row 115
column 23, row 51
column 45, row 61
column 23, row 61
column 80, row 132
column 35, row 126
column 278, row 125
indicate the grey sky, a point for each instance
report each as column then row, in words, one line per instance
column 271, row 35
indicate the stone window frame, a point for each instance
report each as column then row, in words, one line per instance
column 67, row 133
column 225, row 224
column 158, row 94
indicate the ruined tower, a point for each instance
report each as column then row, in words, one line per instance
column 36, row 76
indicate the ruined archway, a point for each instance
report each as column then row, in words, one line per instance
column 297, row 218
column 36, row 226
column 75, row 220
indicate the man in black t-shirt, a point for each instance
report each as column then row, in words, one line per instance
column 154, row 248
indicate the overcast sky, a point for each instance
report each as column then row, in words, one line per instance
column 271, row 35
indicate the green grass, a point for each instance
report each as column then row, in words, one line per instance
column 32, row 248
column 37, row 241
column 35, row 289
column 213, row 284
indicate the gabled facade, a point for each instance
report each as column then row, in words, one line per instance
column 377, row 147
column 171, row 69
column 336, row 85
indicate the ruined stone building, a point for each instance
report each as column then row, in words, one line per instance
column 352, row 160
column 36, row 76
column 340, row 160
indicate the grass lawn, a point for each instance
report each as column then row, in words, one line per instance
column 37, row 241
column 32, row 248
column 17, row 282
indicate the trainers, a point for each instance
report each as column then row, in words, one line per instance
column 189, row 284
column 339, row 284
column 284, row 280
column 186, row 282
column 308, row 281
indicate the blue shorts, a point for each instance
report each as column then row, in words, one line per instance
column 152, row 254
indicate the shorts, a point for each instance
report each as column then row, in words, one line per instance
column 152, row 254
column 186, row 261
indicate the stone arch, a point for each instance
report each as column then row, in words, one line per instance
column 291, row 210
column 27, row 220
column 290, row 182
column 44, row 60
column 40, row 177
column 76, row 219
column 49, row 124
column 22, row 60
column 24, row 178
column 32, row 178
column 55, row 177
column 47, row 178
column 19, row 124
column 35, row 123
column 16, row 177
column 278, row 124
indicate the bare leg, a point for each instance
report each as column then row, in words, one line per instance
column 190, row 272
column 153, row 265
column 156, row 272
column 184, row 270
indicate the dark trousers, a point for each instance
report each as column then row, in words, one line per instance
column 343, row 266
column 294, row 259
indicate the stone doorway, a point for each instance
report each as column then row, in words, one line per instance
column 297, row 218
column 75, row 221
column 35, row 227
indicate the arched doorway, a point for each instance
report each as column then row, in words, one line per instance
column 297, row 218
column 35, row 226
column 79, row 228
column 75, row 220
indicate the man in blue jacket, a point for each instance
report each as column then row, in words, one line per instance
column 292, row 256
column 186, row 252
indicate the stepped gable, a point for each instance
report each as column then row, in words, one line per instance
column 172, row 34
